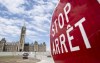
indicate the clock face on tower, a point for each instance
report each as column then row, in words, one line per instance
column 24, row 29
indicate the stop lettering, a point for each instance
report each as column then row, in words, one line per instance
column 74, row 33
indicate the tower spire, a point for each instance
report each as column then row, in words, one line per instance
column 22, row 38
column 24, row 24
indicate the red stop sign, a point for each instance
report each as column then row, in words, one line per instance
column 75, row 32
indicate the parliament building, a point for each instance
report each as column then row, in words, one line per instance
column 21, row 46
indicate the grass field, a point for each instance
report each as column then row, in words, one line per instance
column 16, row 59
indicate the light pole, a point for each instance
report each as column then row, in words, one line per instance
column 35, row 54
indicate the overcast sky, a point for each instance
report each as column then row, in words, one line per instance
column 35, row 13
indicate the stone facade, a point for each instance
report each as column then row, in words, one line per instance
column 13, row 46
column 42, row 47
column 2, row 45
column 31, row 47
column 21, row 46
column 22, row 39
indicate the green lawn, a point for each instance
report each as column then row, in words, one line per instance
column 16, row 59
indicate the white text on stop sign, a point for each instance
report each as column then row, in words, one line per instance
column 56, row 45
